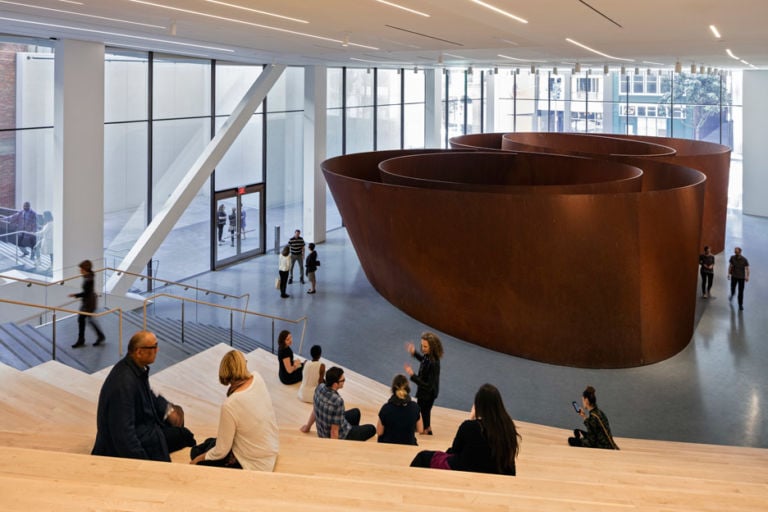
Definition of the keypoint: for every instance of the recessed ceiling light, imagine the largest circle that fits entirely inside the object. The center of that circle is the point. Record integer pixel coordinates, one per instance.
(714, 31)
(235, 6)
(596, 51)
(105, 32)
(73, 13)
(243, 22)
(500, 11)
(413, 11)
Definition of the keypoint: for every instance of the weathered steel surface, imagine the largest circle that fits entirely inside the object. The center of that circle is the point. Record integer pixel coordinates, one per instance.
(572, 261)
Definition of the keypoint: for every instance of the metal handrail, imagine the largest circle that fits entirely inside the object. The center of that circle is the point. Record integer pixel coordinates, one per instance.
(54, 309)
(231, 310)
(166, 282)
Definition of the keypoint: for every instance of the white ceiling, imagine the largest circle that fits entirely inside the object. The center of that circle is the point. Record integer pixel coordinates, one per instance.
(652, 33)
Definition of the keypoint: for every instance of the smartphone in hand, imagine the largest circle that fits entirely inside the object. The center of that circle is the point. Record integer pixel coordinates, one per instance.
(576, 406)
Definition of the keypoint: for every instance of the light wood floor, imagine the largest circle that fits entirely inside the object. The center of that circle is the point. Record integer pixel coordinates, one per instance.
(47, 427)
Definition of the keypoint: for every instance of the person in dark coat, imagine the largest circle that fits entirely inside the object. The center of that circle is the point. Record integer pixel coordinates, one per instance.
(25, 222)
(88, 304)
(131, 420)
(428, 377)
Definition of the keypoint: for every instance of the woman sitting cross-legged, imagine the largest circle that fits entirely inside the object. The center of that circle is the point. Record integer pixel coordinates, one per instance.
(248, 437)
(486, 443)
(400, 417)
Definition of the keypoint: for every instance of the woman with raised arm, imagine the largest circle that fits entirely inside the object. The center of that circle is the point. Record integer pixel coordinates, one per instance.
(428, 377)
(598, 433)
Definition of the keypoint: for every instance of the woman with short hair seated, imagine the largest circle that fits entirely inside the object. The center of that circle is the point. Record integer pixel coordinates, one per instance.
(248, 437)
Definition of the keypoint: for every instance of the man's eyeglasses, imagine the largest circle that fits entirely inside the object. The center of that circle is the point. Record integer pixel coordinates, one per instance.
(342, 380)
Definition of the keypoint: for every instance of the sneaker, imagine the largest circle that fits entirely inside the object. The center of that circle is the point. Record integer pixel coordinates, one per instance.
(78, 344)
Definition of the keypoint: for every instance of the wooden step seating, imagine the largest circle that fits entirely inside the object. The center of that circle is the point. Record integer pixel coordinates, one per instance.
(325, 474)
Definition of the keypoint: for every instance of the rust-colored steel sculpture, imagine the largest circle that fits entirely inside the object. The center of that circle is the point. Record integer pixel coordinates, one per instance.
(567, 260)
(713, 160)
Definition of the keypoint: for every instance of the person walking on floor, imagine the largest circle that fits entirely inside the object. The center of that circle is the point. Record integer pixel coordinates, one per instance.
(296, 243)
(312, 264)
(707, 268)
(88, 300)
(232, 226)
(738, 273)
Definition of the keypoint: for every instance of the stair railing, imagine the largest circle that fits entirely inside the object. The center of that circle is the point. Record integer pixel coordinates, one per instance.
(70, 312)
(232, 310)
(165, 282)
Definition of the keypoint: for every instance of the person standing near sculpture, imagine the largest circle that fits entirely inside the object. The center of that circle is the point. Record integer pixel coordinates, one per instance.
(428, 377)
(738, 273)
(312, 264)
(707, 269)
(88, 300)
(296, 243)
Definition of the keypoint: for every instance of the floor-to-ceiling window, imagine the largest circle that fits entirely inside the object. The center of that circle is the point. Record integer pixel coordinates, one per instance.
(26, 145)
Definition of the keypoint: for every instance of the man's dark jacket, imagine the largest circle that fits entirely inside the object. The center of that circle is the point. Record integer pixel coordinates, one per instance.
(129, 419)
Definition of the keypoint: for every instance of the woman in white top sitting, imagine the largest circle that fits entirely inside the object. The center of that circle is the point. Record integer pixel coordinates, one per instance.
(248, 434)
(314, 374)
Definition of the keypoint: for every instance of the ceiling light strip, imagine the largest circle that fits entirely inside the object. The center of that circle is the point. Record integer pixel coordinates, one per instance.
(715, 32)
(242, 22)
(396, 6)
(500, 11)
(118, 34)
(730, 54)
(580, 45)
(249, 9)
(73, 13)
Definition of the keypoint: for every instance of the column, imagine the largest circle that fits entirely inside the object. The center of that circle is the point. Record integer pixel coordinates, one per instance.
(78, 208)
(755, 112)
(315, 121)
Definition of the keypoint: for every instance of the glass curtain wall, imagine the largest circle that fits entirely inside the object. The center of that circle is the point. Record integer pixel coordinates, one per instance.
(359, 112)
(26, 147)
(125, 151)
(388, 109)
(285, 163)
(413, 109)
(181, 129)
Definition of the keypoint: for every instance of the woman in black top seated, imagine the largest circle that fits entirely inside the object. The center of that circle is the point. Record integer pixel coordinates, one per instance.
(399, 418)
(290, 370)
(486, 443)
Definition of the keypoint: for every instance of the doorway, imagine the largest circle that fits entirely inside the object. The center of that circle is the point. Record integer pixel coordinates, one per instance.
(239, 219)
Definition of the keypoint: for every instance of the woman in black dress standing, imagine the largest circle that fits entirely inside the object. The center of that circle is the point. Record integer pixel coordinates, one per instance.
(428, 377)
(88, 305)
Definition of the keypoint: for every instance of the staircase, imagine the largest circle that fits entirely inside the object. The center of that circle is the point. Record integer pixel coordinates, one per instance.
(26, 346)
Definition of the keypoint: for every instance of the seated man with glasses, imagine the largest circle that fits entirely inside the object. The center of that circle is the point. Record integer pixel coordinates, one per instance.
(331, 420)
(131, 420)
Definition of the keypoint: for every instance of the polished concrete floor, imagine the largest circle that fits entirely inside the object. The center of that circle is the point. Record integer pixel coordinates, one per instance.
(714, 391)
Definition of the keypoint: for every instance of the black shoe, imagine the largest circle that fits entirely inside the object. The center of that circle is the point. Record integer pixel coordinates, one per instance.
(78, 344)
(290, 280)
(302, 281)
(312, 291)
(285, 296)
(741, 308)
(99, 341)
